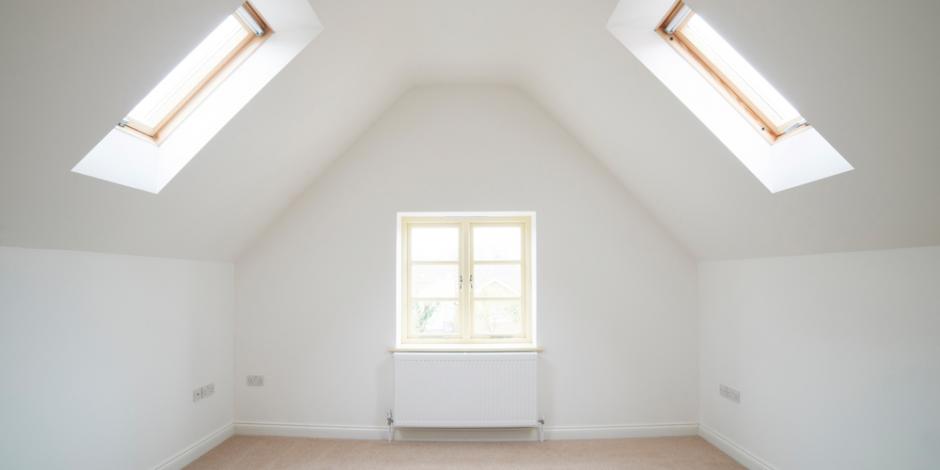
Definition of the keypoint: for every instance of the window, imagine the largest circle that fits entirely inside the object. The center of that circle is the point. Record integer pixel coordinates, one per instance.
(216, 56)
(466, 279)
(143, 154)
(728, 71)
(787, 153)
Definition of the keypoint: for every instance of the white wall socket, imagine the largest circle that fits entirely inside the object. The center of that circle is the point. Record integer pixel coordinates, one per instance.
(730, 393)
(203, 392)
(255, 381)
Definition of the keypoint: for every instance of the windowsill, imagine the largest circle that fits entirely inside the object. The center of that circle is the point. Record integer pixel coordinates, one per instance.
(465, 348)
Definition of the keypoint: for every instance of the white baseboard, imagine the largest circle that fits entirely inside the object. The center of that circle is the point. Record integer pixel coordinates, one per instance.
(467, 435)
(330, 431)
(200, 447)
(749, 460)
(621, 431)
(425, 434)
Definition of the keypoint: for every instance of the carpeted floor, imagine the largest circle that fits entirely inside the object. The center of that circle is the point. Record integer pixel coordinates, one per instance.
(255, 453)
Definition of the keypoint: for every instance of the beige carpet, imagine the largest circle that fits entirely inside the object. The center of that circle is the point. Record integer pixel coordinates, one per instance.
(250, 452)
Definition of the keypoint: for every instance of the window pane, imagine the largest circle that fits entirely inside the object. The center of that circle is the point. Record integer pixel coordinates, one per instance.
(434, 280)
(497, 280)
(433, 318)
(187, 76)
(743, 76)
(495, 243)
(435, 243)
(497, 318)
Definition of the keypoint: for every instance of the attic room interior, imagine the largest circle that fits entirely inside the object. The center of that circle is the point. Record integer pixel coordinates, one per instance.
(469, 234)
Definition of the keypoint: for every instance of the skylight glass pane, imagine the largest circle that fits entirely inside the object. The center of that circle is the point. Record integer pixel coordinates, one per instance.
(748, 81)
(186, 78)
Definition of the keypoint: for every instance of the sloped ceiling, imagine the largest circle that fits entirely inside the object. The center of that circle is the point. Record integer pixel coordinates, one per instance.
(861, 71)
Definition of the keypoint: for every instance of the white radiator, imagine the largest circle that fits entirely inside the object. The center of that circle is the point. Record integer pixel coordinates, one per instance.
(465, 390)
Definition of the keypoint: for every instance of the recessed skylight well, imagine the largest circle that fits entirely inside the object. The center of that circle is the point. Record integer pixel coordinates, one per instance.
(730, 73)
(217, 55)
(198, 97)
(726, 93)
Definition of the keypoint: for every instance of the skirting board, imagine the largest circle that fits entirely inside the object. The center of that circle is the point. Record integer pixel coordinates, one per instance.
(621, 431)
(551, 432)
(200, 447)
(330, 431)
(749, 460)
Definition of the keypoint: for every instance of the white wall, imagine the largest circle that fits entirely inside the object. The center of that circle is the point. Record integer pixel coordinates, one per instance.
(616, 296)
(837, 357)
(99, 355)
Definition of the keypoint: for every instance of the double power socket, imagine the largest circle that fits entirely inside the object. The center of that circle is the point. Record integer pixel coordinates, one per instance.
(729, 393)
(205, 391)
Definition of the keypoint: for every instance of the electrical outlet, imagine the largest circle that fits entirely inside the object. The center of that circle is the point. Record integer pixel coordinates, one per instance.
(203, 392)
(256, 381)
(730, 393)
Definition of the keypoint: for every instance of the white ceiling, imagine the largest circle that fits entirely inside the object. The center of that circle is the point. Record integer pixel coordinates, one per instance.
(861, 72)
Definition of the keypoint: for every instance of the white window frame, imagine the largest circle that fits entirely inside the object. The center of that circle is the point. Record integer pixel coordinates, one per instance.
(465, 221)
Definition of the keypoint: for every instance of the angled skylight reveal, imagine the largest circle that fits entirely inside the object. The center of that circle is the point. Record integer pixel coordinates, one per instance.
(192, 103)
(739, 105)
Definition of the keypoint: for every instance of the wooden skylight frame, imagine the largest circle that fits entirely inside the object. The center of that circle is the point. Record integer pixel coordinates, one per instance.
(256, 31)
(673, 30)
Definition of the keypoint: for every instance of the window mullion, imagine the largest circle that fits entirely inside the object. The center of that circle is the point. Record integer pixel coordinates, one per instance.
(465, 272)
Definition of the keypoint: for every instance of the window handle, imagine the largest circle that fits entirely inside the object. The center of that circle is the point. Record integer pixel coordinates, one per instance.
(460, 283)
(471, 281)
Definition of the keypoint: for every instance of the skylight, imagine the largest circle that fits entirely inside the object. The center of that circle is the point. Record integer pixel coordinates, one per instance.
(728, 71)
(192, 103)
(718, 86)
(199, 71)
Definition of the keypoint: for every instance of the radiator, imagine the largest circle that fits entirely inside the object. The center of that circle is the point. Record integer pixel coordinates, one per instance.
(465, 390)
